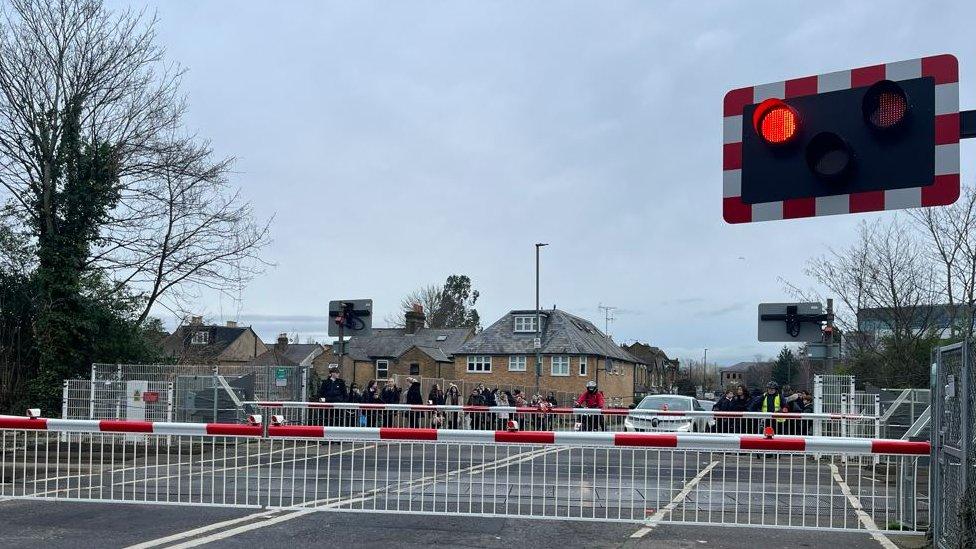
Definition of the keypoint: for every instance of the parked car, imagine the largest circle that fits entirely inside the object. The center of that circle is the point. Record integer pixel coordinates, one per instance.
(655, 413)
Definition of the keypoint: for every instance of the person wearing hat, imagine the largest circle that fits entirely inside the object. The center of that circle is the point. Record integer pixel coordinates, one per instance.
(772, 402)
(333, 389)
(591, 398)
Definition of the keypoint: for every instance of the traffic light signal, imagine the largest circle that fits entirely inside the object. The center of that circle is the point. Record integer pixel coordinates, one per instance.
(875, 138)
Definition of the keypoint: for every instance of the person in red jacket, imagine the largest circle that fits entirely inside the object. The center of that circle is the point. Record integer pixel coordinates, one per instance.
(591, 398)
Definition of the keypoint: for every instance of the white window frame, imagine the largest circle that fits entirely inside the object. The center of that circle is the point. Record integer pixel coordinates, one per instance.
(386, 368)
(200, 337)
(479, 364)
(552, 366)
(583, 366)
(517, 363)
(527, 322)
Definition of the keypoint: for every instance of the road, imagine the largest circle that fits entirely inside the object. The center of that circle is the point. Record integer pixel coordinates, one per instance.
(623, 491)
(29, 524)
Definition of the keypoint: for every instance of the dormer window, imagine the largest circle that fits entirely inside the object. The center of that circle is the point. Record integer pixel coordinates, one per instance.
(200, 338)
(525, 324)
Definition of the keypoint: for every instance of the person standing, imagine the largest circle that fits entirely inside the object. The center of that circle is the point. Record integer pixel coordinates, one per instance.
(333, 390)
(741, 404)
(453, 398)
(390, 395)
(725, 404)
(476, 417)
(414, 398)
(371, 396)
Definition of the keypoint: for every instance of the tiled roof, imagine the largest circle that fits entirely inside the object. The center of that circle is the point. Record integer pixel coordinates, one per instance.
(562, 333)
(393, 342)
(292, 354)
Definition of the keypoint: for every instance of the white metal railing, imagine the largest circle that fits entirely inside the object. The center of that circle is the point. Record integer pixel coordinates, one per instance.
(632, 477)
(565, 419)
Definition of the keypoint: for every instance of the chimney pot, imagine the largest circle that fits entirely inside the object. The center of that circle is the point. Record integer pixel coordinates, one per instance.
(282, 340)
(196, 320)
(231, 324)
(414, 319)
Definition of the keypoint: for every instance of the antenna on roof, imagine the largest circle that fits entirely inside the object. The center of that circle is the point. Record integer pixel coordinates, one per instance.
(607, 318)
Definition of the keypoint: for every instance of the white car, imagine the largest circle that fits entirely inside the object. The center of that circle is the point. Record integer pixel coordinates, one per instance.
(661, 413)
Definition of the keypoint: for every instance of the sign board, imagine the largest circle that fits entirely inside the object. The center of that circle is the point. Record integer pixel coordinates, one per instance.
(819, 351)
(778, 330)
(882, 137)
(281, 377)
(357, 315)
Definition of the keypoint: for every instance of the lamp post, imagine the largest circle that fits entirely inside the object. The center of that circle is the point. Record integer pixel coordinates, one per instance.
(538, 322)
(704, 371)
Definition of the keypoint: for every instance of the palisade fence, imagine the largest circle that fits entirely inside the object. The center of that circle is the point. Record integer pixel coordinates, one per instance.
(178, 392)
(954, 447)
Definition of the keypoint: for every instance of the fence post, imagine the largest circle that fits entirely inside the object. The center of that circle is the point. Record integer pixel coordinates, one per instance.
(91, 395)
(64, 400)
(170, 392)
(818, 404)
(304, 394)
(214, 380)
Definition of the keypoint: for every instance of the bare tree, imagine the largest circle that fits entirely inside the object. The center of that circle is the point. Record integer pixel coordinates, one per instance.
(429, 297)
(177, 223)
(886, 278)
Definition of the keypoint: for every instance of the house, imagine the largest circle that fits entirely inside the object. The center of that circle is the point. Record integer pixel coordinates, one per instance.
(411, 350)
(199, 343)
(659, 371)
(751, 375)
(283, 353)
(573, 352)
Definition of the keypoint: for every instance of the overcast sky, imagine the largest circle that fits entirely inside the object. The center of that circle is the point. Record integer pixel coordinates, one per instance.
(400, 142)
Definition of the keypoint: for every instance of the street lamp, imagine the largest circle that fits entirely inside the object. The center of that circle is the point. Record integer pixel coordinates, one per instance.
(704, 370)
(538, 321)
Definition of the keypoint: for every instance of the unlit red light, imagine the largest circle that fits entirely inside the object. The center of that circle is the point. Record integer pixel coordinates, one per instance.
(778, 124)
(890, 110)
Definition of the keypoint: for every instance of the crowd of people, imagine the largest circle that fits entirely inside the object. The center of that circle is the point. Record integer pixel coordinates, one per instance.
(773, 400)
(334, 390)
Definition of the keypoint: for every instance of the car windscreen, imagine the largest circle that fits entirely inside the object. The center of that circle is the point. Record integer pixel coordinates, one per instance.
(665, 403)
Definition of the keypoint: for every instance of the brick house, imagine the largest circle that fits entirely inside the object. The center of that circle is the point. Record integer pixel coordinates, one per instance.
(283, 353)
(411, 350)
(573, 352)
(751, 375)
(199, 343)
(659, 372)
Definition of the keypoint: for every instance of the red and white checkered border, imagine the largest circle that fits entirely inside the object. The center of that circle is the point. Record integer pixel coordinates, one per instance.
(945, 190)
(679, 441)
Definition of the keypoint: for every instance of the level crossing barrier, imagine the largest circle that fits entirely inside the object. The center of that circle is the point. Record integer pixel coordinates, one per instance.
(649, 478)
(564, 419)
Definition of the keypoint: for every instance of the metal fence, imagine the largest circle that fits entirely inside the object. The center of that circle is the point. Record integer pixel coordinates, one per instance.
(630, 477)
(465, 387)
(178, 392)
(954, 447)
(562, 419)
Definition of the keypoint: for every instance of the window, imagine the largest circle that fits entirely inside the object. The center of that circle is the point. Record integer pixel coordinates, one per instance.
(582, 369)
(479, 364)
(382, 369)
(516, 363)
(525, 324)
(442, 338)
(200, 338)
(559, 365)
(414, 369)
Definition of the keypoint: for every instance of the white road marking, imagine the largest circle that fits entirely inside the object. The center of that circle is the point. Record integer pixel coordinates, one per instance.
(865, 519)
(398, 487)
(658, 516)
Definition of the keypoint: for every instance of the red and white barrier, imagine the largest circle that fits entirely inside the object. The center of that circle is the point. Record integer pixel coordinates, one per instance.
(689, 441)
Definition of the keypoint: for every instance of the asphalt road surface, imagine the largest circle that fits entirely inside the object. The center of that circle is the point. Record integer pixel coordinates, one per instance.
(32, 524)
(624, 492)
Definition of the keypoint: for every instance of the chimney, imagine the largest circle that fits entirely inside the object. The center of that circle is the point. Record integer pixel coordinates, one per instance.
(196, 320)
(282, 341)
(414, 319)
(231, 324)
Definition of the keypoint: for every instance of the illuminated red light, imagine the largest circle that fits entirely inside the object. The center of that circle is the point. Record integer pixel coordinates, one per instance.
(775, 121)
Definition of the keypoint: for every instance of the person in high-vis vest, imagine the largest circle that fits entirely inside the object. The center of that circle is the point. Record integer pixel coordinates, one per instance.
(771, 401)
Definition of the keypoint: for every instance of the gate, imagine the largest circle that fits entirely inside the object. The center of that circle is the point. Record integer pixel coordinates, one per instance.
(954, 476)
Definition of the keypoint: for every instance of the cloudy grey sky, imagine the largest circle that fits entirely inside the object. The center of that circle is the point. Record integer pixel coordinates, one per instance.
(400, 142)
